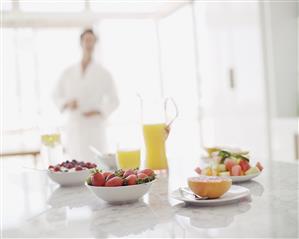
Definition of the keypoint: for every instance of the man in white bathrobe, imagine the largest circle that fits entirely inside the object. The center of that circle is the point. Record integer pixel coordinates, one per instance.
(86, 92)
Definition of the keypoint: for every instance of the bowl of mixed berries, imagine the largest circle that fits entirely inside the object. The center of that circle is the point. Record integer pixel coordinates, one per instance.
(70, 173)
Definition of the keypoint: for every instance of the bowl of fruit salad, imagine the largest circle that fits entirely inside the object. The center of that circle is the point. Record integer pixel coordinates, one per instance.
(120, 186)
(70, 173)
(233, 164)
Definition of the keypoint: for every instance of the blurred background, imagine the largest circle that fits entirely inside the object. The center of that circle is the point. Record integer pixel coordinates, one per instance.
(230, 66)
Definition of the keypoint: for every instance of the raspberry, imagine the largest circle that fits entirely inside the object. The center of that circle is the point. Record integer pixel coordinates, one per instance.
(56, 169)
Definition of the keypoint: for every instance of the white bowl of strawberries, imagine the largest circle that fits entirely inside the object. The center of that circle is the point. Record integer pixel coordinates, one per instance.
(120, 186)
(70, 173)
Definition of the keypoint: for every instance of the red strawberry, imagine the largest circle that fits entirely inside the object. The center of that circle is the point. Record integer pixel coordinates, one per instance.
(147, 171)
(141, 176)
(259, 166)
(128, 172)
(131, 179)
(107, 174)
(114, 182)
(110, 176)
(244, 165)
(97, 179)
(119, 172)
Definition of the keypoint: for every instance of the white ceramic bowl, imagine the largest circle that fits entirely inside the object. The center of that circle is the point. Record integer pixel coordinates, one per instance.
(66, 179)
(122, 194)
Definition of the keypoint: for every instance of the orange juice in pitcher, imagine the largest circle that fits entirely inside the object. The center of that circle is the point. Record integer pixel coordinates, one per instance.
(155, 132)
(154, 138)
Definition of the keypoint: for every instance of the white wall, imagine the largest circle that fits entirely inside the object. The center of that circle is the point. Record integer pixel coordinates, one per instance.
(281, 52)
(281, 45)
(230, 38)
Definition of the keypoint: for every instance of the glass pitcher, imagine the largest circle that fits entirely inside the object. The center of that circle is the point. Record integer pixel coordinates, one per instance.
(156, 126)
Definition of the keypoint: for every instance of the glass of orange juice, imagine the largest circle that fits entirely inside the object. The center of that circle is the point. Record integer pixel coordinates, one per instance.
(128, 158)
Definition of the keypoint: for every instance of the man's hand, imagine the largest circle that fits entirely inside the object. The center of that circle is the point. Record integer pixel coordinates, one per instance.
(91, 113)
(71, 105)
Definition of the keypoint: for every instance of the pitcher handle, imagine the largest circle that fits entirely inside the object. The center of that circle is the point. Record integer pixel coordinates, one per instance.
(170, 100)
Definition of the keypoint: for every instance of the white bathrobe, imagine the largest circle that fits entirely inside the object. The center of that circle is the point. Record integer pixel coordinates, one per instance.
(94, 90)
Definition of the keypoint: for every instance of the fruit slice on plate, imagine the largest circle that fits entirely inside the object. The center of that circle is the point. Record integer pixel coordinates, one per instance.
(210, 187)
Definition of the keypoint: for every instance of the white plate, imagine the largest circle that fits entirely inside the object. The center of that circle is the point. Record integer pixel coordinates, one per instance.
(121, 194)
(238, 179)
(234, 194)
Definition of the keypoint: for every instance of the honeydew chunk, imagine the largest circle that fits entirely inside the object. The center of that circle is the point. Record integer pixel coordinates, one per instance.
(221, 168)
(214, 165)
(252, 170)
(226, 173)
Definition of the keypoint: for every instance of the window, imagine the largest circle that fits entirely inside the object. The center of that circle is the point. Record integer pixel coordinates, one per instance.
(6, 5)
(34, 59)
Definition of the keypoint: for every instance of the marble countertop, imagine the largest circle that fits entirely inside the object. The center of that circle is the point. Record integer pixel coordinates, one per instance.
(33, 206)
